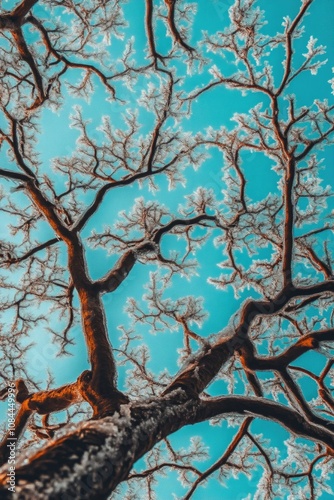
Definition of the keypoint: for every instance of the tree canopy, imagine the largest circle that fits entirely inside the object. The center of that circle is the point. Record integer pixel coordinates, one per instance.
(166, 248)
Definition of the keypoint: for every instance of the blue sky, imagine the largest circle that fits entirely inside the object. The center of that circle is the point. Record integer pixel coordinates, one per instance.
(214, 108)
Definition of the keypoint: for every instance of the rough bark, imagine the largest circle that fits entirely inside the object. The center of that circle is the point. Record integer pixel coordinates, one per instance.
(93, 460)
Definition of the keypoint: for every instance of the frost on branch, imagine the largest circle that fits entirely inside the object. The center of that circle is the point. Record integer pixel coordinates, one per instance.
(189, 154)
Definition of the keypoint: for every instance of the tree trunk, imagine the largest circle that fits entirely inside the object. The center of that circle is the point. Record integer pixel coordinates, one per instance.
(93, 460)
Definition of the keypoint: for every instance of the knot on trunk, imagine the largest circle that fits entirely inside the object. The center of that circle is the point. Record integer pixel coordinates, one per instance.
(22, 392)
(104, 403)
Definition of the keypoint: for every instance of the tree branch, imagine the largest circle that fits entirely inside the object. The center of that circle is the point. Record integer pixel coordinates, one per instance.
(38, 248)
(23, 8)
(43, 402)
(306, 343)
(223, 459)
(172, 26)
(200, 370)
(288, 46)
(288, 418)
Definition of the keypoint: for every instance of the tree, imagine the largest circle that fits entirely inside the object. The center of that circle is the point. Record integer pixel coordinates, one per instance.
(274, 240)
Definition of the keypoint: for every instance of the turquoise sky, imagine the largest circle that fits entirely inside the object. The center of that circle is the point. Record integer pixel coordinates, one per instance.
(214, 108)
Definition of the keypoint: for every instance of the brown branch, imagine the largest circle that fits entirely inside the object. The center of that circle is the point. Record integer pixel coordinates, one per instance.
(172, 26)
(312, 144)
(38, 248)
(222, 461)
(49, 211)
(319, 264)
(181, 222)
(294, 119)
(171, 465)
(288, 47)
(102, 385)
(189, 333)
(124, 265)
(150, 32)
(26, 56)
(230, 82)
(289, 178)
(302, 405)
(308, 474)
(303, 303)
(88, 67)
(324, 393)
(42, 402)
(15, 176)
(15, 145)
(102, 362)
(15, 18)
(288, 223)
(306, 343)
(13, 22)
(320, 230)
(104, 190)
(199, 372)
(262, 451)
(103, 379)
(118, 273)
(23, 8)
(156, 132)
(31, 184)
(54, 400)
(292, 420)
